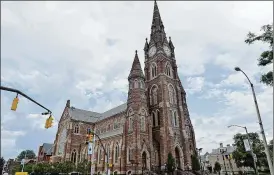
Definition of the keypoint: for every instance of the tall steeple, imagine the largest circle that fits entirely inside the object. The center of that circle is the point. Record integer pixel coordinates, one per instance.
(136, 69)
(157, 27)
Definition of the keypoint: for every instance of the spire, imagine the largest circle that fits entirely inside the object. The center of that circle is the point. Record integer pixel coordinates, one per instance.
(156, 20)
(171, 44)
(136, 69)
(157, 27)
(146, 46)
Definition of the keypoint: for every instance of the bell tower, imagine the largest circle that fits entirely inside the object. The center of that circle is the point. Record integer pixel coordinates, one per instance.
(166, 98)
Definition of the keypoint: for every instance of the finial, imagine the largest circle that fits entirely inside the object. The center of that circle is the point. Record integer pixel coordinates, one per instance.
(146, 39)
(136, 52)
(169, 38)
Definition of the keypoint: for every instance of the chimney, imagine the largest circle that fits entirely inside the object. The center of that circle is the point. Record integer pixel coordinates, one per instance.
(68, 104)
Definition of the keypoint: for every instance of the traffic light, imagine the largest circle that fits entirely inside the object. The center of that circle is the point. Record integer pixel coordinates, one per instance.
(90, 138)
(49, 122)
(230, 156)
(15, 103)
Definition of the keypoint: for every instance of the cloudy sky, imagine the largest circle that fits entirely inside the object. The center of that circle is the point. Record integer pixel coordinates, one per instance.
(83, 51)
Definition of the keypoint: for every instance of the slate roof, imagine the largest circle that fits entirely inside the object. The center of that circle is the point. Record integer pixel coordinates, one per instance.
(47, 147)
(89, 116)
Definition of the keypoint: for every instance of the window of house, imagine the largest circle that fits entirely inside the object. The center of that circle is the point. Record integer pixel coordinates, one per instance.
(76, 129)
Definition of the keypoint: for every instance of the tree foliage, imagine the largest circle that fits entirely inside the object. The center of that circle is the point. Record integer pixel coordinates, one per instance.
(170, 163)
(42, 168)
(266, 57)
(243, 158)
(195, 163)
(2, 162)
(217, 167)
(29, 154)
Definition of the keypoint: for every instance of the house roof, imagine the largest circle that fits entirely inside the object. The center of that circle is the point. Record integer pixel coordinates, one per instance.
(47, 148)
(89, 116)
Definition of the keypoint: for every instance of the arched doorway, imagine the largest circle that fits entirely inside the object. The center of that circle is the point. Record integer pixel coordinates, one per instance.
(177, 158)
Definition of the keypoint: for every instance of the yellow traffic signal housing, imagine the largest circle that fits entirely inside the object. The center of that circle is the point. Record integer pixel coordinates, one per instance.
(90, 138)
(50, 121)
(14, 103)
(47, 124)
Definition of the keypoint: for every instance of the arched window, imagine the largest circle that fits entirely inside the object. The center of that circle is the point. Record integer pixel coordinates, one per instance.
(99, 155)
(135, 84)
(76, 129)
(171, 94)
(153, 70)
(175, 119)
(73, 156)
(130, 124)
(88, 130)
(158, 118)
(168, 70)
(153, 119)
(129, 157)
(154, 95)
(131, 85)
(143, 126)
(116, 153)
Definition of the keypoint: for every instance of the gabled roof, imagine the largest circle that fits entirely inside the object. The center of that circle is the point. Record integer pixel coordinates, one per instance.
(47, 148)
(89, 116)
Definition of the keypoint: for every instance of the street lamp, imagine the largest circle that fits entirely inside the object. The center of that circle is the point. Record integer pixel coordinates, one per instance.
(249, 142)
(223, 151)
(260, 123)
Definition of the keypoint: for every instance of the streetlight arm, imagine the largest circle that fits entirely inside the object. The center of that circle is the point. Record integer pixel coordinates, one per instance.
(247, 78)
(24, 95)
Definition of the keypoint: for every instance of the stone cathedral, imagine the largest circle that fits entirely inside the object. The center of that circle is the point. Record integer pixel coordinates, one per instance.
(139, 134)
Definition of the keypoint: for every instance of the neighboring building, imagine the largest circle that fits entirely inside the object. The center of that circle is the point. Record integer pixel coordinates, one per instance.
(45, 152)
(139, 134)
(227, 164)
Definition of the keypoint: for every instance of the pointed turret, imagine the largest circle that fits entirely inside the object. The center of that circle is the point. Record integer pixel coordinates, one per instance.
(136, 70)
(146, 46)
(171, 44)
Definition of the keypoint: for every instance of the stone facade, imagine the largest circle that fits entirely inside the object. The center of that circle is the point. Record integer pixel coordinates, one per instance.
(139, 134)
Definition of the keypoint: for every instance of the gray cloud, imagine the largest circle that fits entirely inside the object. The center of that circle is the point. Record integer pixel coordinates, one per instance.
(63, 52)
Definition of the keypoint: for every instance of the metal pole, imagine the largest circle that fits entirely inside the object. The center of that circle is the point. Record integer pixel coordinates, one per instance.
(260, 123)
(103, 149)
(251, 150)
(92, 157)
(24, 95)
(262, 131)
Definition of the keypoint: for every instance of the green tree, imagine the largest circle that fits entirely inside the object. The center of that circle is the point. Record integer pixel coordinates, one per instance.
(170, 163)
(243, 158)
(217, 167)
(195, 163)
(266, 57)
(2, 162)
(271, 148)
(83, 167)
(29, 154)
